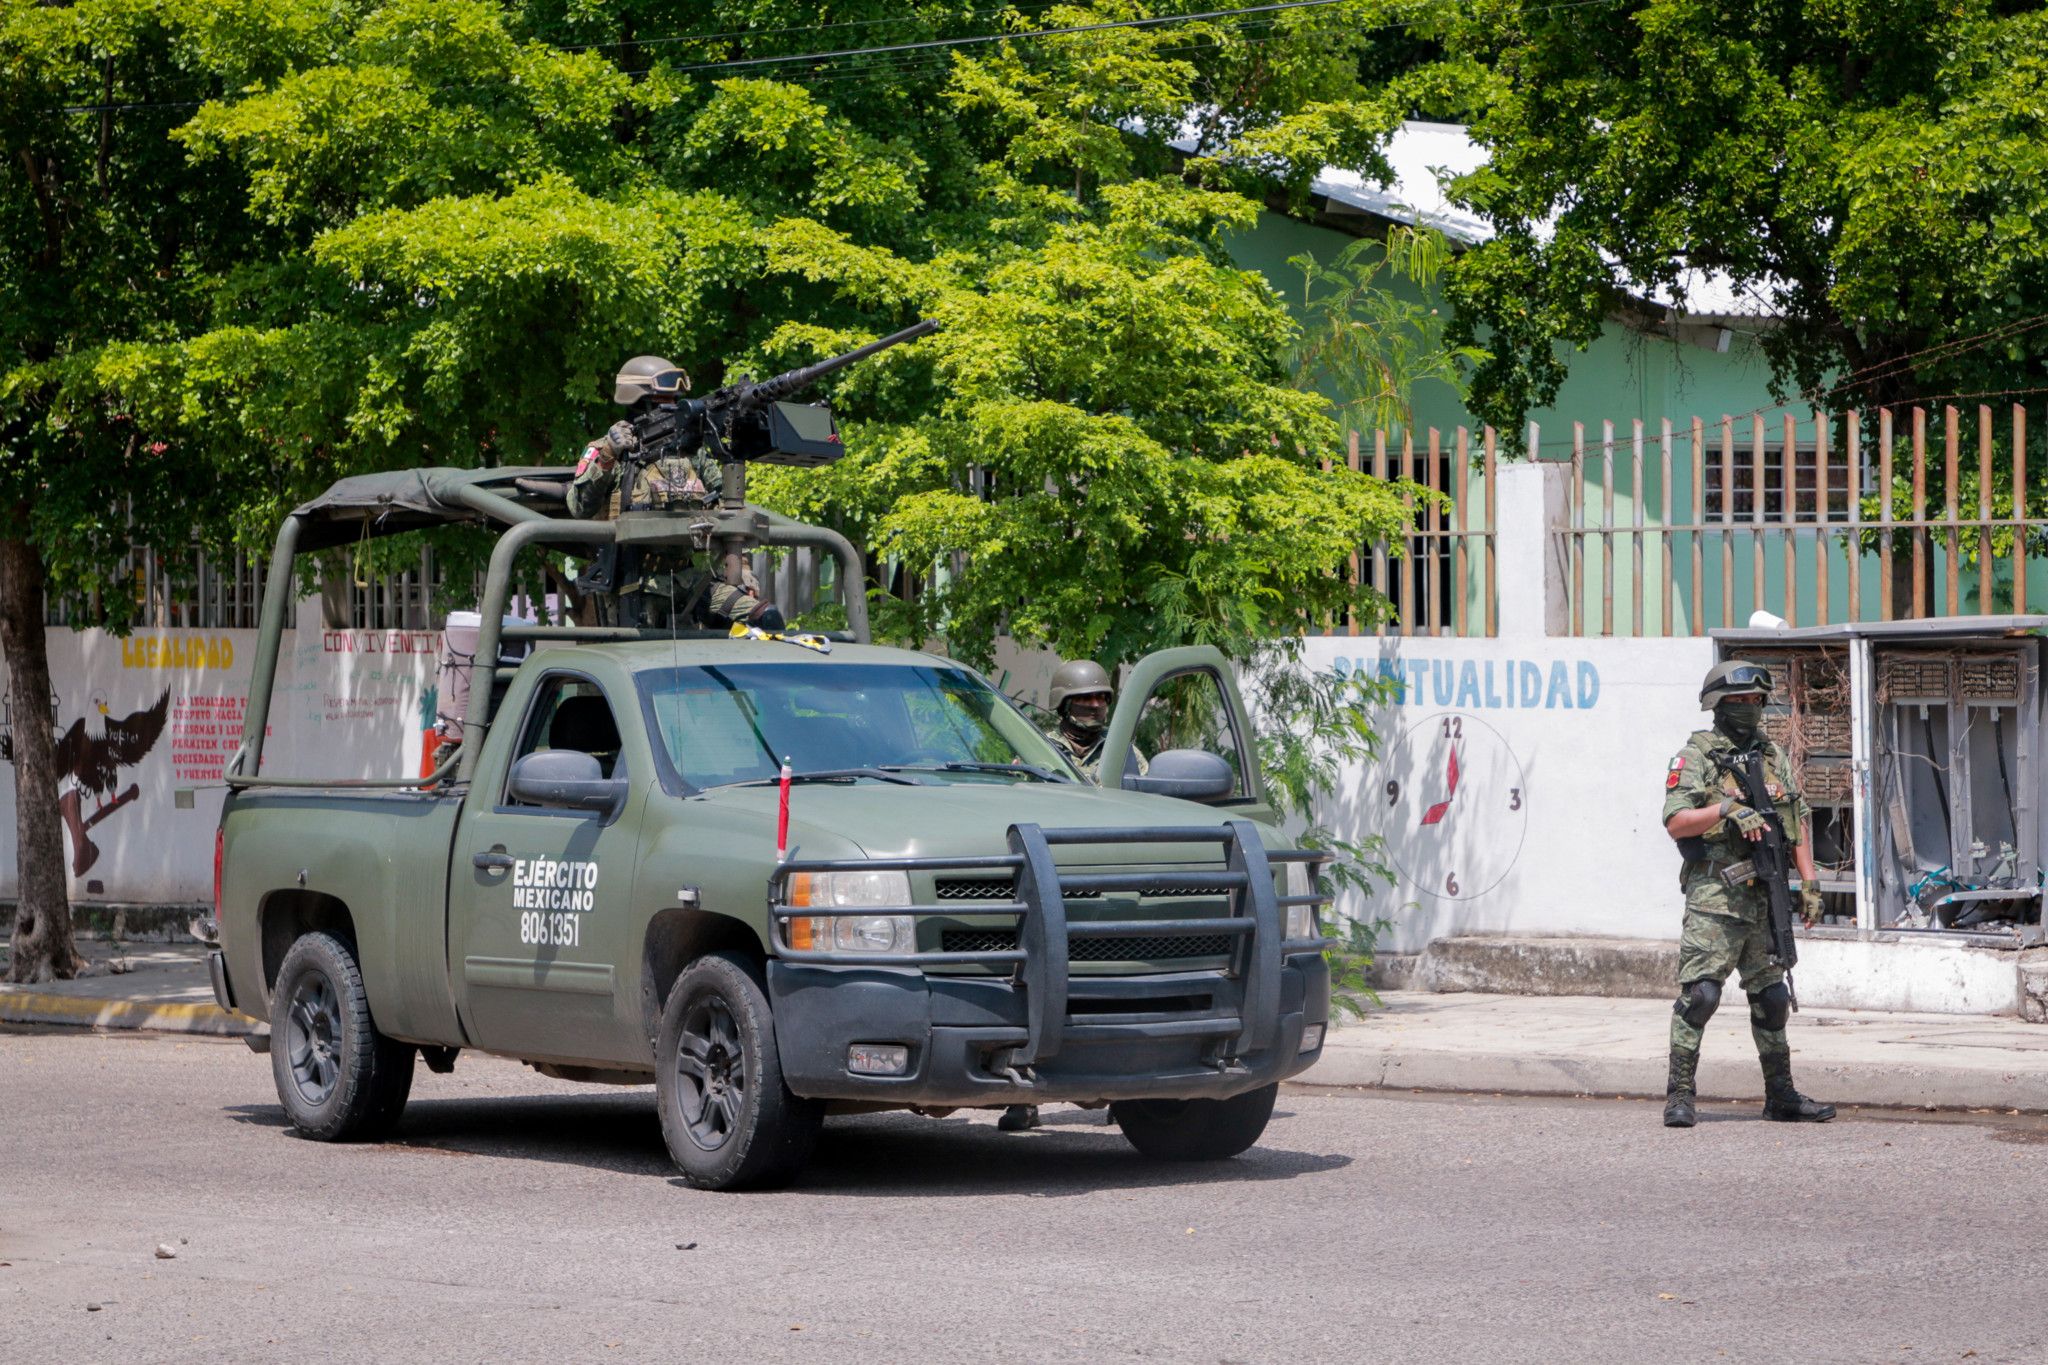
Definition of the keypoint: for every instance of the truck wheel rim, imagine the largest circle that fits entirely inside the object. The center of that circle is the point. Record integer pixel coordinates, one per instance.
(313, 1037)
(711, 1073)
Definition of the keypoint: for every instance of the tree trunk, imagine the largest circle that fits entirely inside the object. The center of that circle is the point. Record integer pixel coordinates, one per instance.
(42, 948)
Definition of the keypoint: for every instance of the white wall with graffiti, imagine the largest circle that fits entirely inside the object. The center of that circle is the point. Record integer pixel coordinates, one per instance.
(1519, 783)
(146, 723)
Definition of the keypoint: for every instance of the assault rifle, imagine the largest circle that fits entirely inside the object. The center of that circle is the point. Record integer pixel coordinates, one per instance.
(1772, 860)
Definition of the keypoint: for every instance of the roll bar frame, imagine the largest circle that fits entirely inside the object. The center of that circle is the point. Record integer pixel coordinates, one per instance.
(524, 527)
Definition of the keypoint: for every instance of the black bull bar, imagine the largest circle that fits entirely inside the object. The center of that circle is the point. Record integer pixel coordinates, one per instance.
(1039, 965)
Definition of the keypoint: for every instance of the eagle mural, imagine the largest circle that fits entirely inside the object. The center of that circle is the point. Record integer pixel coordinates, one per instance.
(94, 762)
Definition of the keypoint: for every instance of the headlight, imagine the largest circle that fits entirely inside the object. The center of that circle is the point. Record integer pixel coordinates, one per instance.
(1300, 919)
(850, 933)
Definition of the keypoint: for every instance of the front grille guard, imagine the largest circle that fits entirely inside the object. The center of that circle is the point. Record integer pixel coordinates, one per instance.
(1039, 964)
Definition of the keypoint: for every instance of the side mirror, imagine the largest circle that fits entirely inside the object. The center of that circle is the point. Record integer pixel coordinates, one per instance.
(1190, 774)
(564, 777)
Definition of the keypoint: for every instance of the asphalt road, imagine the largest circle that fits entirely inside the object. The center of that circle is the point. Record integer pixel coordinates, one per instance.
(519, 1218)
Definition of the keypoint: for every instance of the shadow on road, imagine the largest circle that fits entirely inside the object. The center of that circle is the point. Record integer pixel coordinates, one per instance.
(612, 1132)
(869, 1155)
(890, 1155)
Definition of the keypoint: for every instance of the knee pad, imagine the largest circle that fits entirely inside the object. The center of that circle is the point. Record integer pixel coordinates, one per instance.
(1771, 1006)
(767, 616)
(1697, 1002)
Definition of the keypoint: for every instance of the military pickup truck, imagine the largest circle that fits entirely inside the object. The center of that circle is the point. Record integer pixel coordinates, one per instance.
(594, 883)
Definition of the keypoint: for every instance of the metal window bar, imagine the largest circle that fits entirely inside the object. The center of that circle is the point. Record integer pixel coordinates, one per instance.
(1429, 574)
(1803, 479)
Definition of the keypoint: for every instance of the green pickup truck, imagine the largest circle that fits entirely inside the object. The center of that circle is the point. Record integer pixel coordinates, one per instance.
(593, 884)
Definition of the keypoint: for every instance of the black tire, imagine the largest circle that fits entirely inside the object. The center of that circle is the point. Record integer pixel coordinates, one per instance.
(1195, 1130)
(339, 1079)
(729, 1120)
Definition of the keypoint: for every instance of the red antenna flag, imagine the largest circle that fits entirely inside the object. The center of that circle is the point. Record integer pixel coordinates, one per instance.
(782, 816)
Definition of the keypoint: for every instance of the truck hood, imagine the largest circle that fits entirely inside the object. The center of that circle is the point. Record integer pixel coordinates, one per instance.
(960, 819)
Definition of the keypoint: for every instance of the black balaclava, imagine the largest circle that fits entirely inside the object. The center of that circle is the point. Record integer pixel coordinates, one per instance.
(1740, 721)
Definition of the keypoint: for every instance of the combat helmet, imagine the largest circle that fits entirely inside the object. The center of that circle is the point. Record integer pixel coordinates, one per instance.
(1077, 678)
(648, 376)
(1730, 678)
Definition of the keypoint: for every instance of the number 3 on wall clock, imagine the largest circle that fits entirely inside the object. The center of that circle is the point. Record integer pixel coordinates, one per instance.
(1455, 805)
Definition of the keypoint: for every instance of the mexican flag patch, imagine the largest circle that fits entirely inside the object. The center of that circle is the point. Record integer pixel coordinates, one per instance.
(1671, 777)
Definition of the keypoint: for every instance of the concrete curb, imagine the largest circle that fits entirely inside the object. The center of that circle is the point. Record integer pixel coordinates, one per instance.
(1890, 1087)
(31, 1007)
(1509, 964)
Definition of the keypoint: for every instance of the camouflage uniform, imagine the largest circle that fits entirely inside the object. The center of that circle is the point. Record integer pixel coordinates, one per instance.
(1727, 928)
(1088, 757)
(666, 583)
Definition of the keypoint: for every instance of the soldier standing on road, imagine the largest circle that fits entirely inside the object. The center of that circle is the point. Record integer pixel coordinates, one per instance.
(666, 588)
(1727, 924)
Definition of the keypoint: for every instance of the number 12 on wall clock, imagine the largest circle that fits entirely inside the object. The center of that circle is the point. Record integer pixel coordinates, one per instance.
(1453, 805)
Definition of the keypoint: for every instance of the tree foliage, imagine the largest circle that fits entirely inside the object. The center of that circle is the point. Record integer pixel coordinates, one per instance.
(434, 226)
(1874, 171)
(251, 246)
(1366, 343)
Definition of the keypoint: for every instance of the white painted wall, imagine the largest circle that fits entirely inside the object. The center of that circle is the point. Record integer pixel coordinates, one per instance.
(1920, 974)
(348, 704)
(1553, 827)
(1563, 745)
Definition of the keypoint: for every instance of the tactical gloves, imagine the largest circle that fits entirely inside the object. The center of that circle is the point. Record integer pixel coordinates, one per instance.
(1748, 821)
(1809, 904)
(620, 440)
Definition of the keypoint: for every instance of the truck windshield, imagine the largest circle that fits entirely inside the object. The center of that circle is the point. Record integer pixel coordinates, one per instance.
(737, 722)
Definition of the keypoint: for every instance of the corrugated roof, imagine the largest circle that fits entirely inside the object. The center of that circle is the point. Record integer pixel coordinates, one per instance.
(1424, 156)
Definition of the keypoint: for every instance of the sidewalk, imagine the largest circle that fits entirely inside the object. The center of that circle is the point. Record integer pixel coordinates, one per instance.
(1524, 1044)
(1578, 1045)
(165, 987)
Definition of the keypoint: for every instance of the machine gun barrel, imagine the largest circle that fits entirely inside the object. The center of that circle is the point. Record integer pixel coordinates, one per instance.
(749, 396)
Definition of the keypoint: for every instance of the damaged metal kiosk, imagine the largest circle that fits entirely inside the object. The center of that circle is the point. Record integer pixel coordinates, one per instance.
(1918, 745)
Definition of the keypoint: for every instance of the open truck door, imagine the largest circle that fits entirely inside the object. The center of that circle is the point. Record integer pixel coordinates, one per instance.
(1179, 728)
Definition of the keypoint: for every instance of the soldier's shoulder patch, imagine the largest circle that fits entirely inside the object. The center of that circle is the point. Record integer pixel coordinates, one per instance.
(1671, 778)
(589, 455)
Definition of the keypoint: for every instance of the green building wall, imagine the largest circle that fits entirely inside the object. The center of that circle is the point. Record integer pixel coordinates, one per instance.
(1628, 376)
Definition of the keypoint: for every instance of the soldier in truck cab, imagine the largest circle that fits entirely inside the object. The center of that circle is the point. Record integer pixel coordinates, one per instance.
(1080, 696)
(666, 589)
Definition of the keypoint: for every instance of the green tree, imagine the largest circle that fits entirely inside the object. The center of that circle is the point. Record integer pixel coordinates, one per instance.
(284, 241)
(110, 241)
(1873, 171)
(1366, 341)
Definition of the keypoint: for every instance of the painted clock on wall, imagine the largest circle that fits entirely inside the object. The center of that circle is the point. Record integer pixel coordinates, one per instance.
(1453, 805)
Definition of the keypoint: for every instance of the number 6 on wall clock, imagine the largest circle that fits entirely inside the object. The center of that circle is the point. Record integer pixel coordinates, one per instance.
(1456, 806)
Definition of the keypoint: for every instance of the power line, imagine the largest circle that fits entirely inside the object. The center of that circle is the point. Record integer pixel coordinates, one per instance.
(1255, 31)
(1947, 350)
(983, 38)
(934, 46)
(660, 39)
(888, 49)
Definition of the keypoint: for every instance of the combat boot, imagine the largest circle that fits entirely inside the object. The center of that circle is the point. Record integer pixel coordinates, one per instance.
(1782, 1102)
(1789, 1106)
(1678, 1090)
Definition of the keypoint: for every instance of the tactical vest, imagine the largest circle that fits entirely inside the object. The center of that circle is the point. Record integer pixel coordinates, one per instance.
(1726, 850)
